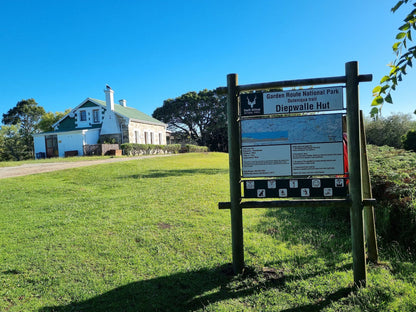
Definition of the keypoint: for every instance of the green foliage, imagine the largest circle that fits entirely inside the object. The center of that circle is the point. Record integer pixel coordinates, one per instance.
(49, 118)
(393, 178)
(133, 149)
(26, 115)
(12, 146)
(196, 148)
(389, 130)
(200, 117)
(404, 58)
(409, 141)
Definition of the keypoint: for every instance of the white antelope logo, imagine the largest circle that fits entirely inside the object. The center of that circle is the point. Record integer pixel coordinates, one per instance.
(251, 103)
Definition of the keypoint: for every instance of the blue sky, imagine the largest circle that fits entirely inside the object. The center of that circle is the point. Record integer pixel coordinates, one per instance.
(61, 52)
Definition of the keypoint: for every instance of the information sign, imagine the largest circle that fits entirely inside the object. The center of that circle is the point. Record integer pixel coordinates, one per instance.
(292, 101)
(286, 146)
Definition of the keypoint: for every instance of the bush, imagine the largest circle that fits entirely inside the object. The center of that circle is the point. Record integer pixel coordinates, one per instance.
(409, 141)
(133, 149)
(195, 148)
(393, 178)
(389, 131)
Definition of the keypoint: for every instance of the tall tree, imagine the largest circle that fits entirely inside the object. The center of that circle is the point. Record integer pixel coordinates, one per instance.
(49, 118)
(11, 144)
(201, 116)
(404, 56)
(26, 114)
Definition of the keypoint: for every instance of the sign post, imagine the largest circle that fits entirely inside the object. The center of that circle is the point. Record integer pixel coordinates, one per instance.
(234, 161)
(287, 151)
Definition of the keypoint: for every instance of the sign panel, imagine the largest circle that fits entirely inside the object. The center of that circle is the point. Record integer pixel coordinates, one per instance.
(317, 159)
(292, 146)
(292, 101)
(292, 130)
(327, 187)
(266, 161)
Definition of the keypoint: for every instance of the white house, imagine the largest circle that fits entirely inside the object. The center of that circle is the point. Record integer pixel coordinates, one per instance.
(95, 121)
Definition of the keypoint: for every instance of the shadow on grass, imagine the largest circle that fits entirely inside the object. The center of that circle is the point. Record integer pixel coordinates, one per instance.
(338, 295)
(175, 173)
(189, 291)
(327, 230)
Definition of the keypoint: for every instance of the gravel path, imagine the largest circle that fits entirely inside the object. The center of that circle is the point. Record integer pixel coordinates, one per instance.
(26, 169)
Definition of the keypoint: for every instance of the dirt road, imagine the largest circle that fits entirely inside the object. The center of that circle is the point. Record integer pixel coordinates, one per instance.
(26, 169)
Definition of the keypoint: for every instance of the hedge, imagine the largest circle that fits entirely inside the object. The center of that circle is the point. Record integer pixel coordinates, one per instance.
(133, 149)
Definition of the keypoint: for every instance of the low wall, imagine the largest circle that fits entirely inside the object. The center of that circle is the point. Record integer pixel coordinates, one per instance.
(99, 149)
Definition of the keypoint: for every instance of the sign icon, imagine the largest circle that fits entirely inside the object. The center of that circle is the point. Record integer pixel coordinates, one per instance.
(271, 184)
(282, 192)
(261, 193)
(339, 182)
(328, 191)
(304, 192)
(316, 183)
(250, 185)
(293, 183)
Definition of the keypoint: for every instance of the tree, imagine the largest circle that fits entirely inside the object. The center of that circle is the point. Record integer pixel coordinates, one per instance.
(49, 118)
(404, 57)
(11, 144)
(389, 131)
(200, 116)
(26, 115)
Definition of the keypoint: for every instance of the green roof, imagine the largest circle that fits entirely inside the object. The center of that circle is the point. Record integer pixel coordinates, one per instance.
(130, 112)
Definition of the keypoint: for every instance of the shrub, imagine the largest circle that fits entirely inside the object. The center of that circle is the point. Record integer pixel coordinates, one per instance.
(196, 148)
(393, 178)
(133, 149)
(389, 130)
(409, 141)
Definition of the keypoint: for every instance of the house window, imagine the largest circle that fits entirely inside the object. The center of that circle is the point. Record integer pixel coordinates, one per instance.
(146, 137)
(136, 137)
(96, 116)
(83, 115)
(160, 138)
(152, 140)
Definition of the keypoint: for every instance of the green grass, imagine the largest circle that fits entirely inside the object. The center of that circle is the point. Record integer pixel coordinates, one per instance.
(146, 235)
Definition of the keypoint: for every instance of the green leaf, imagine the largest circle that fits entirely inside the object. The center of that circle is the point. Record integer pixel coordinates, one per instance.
(396, 46)
(405, 27)
(388, 99)
(377, 89)
(409, 35)
(385, 78)
(374, 112)
(400, 35)
(377, 101)
(397, 6)
(384, 88)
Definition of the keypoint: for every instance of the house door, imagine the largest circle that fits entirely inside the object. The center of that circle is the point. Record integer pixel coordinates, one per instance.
(51, 143)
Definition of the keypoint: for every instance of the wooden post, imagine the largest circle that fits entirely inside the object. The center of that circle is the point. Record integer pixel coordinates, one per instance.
(369, 223)
(234, 162)
(354, 160)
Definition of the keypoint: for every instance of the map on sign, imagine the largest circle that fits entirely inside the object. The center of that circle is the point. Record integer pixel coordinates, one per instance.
(291, 130)
(289, 146)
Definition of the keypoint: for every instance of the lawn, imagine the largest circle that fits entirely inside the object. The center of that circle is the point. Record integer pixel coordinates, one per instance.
(146, 235)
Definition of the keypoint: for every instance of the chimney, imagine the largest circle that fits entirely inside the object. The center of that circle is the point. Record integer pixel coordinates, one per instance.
(123, 103)
(109, 98)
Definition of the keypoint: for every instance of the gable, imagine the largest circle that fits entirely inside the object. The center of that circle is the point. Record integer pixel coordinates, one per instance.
(67, 123)
(87, 104)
